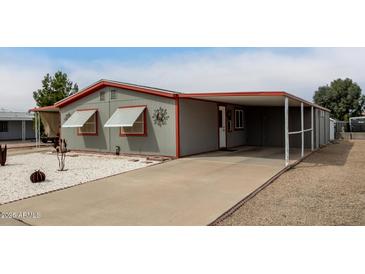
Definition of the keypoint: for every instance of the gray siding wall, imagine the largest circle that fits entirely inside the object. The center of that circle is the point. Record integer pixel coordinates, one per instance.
(235, 137)
(159, 140)
(198, 126)
(265, 126)
(15, 131)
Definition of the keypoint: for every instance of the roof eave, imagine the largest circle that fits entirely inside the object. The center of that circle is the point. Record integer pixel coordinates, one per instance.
(47, 108)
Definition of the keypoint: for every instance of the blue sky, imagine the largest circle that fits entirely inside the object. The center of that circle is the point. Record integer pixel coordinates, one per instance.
(296, 70)
(137, 55)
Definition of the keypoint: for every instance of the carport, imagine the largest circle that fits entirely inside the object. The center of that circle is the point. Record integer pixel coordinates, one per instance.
(50, 118)
(269, 120)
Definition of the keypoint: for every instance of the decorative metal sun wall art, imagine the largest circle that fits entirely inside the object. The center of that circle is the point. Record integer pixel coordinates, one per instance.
(160, 116)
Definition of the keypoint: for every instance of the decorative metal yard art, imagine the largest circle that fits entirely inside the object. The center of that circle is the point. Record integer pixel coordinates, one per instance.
(37, 176)
(61, 150)
(3, 152)
(117, 150)
(160, 116)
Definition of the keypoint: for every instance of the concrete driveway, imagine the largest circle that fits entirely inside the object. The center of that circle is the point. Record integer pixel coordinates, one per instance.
(188, 191)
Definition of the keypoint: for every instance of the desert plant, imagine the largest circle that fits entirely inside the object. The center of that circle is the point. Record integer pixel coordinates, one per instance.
(3, 152)
(61, 150)
(37, 176)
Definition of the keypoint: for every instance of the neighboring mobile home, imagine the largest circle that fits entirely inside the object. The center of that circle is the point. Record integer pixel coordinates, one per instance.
(16, 126)
(151, 121)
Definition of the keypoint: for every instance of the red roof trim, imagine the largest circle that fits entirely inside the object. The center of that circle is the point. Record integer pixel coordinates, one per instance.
(36, 109)
(103, 84)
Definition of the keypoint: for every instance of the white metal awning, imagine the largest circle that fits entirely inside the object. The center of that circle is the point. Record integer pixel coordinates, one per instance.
(79, 118)
(124, 117)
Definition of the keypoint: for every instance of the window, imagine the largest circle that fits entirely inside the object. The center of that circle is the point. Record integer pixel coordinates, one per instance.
(4, 126)
(238, 121)
(113, 94)
(138, 128)
(90, 127)
(102, 95)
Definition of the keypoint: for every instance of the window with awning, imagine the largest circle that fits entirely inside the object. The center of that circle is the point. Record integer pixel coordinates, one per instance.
(131, 120)
(90, 127)
(84, 120)
(79, 118)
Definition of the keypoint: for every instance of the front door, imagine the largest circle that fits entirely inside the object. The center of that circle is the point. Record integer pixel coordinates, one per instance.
(222, 126)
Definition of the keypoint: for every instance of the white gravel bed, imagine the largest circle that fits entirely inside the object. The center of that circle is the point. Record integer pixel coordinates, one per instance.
(15, 181)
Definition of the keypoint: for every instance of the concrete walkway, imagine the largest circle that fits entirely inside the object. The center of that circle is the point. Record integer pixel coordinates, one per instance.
(188, 191)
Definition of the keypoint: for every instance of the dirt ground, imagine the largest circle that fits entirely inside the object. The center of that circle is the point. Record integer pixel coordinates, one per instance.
(327, 188)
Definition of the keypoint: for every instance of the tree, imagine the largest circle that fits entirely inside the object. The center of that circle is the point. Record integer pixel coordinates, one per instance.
(342, 97)
(54, 88)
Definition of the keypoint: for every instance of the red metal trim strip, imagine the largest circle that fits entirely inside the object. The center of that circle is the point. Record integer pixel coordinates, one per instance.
(43, 108)
(245, 93)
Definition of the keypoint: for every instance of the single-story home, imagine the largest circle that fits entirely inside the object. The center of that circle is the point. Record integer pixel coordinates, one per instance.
(16, 125)
(143, 120)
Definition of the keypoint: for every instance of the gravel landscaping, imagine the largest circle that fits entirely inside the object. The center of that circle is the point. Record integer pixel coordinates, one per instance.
(327, 188)
(81, 168)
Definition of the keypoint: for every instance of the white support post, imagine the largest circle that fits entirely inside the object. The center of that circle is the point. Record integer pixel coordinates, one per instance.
(286, 115)
(39, 130)
(302, 126)
(36, 129)
(312, 132)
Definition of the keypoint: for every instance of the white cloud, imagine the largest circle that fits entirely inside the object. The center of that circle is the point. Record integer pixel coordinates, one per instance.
(214, 70)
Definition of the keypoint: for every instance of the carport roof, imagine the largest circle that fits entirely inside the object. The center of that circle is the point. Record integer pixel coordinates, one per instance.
(251, 98)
